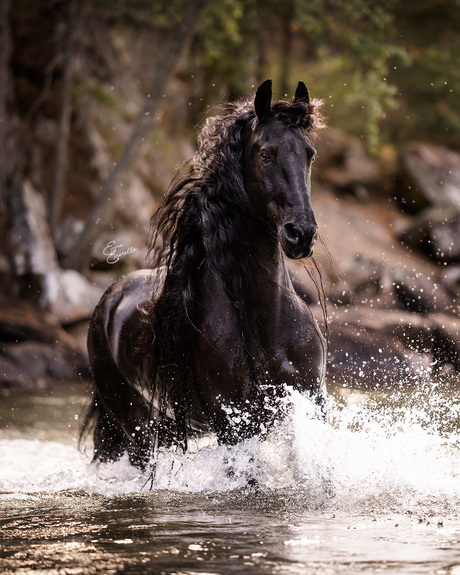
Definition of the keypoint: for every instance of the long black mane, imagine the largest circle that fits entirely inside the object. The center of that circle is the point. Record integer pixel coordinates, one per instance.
(202, 226)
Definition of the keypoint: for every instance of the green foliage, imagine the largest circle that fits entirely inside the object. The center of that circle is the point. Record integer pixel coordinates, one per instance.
(386, 69)
(103, 96)
(224, 46)
(391, 68)
(237, 37)
(363, 34)
(429, 87)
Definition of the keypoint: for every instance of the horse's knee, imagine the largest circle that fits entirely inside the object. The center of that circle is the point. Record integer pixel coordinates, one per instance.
(109, 439)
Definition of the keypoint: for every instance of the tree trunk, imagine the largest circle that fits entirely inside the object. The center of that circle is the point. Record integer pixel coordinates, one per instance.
(103, 210)
(4, 59)
(62, 141)
(286, 48)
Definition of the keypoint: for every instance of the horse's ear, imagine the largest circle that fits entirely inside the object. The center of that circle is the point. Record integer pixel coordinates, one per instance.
(301, 94)
(263, 99)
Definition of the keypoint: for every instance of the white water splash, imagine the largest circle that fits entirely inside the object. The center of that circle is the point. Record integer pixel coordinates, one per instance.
(369, 455)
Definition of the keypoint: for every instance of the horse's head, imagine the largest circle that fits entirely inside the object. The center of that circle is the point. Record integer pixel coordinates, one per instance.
(277, 166)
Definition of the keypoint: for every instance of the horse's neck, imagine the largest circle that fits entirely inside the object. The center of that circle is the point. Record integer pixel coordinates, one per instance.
(270, 284)
(260, 303)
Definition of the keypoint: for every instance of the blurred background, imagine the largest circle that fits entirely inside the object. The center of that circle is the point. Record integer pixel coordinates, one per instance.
(100, 103)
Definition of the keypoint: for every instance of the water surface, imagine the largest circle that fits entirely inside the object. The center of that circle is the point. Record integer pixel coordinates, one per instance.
(374, 490)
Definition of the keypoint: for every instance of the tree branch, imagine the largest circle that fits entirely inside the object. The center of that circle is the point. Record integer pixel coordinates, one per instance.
(4, 58)
(62, 141)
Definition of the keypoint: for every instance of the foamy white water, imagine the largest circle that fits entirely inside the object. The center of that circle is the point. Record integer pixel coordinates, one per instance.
(372, 457)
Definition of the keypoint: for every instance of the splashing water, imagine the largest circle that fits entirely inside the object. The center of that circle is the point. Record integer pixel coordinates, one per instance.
(374, 489)
(383, 452)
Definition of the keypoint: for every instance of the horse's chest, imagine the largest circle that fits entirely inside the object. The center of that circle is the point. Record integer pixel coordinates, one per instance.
(280, 345)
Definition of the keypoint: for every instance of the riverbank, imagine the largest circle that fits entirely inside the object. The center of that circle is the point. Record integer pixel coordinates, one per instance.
(392, 301)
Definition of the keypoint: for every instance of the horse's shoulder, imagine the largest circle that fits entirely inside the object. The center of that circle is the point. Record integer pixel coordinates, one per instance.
(126, 300)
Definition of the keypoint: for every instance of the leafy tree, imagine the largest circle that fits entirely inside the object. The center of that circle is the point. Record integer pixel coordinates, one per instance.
(246, 39)
(429, 87)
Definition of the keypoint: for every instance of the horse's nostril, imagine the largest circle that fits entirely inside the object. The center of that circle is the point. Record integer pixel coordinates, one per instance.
(292, 233)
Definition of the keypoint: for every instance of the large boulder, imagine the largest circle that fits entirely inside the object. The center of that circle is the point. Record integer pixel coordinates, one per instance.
(430, 187)
(430, 177)
(35, 350)
(419, 289)
(451, 281)
(370, 346)
(422, 292)
(65, 293)
(359, 357)
(33, 365)
(68, 295)
(344, 163)
(436, 231)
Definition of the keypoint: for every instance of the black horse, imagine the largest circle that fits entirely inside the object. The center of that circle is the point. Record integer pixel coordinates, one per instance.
(209, 337)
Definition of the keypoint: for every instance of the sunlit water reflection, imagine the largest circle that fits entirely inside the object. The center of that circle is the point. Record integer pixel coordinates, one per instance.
(374, 490)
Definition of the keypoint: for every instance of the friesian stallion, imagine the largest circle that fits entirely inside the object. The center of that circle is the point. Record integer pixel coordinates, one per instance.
(213, 333)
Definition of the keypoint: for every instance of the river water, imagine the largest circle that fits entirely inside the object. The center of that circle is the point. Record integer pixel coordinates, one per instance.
(376, 489)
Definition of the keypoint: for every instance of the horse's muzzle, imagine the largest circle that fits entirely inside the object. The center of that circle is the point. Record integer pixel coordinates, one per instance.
(298, 242)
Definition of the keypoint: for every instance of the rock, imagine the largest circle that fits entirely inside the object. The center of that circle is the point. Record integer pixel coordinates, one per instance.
(360, 357)
(436, 231)
(419, 290)
(446, 347)
(420, 293)
(370, 335)
(35, 349)
(370, 281)
(32, 364)
(70, 297)
(21, 323)
(123, 247)
(136, 205)
(31, 245)
(430, 177)
(65, 293)
(411, 329)
(451, 281)
(344, 163)
(65, 236)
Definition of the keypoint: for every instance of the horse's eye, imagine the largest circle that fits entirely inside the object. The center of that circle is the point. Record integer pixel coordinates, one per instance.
(264, 156)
